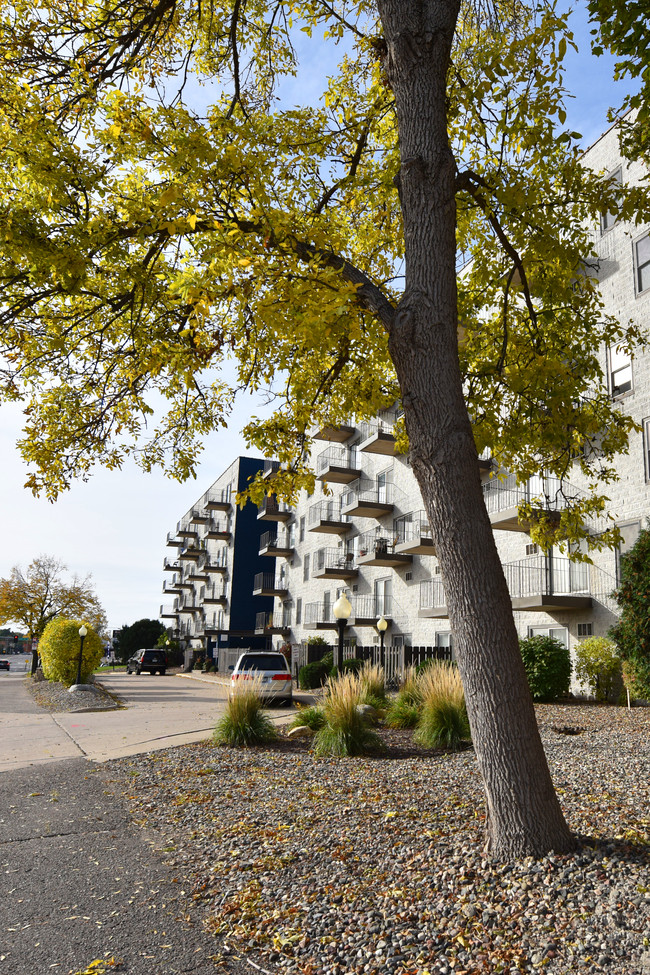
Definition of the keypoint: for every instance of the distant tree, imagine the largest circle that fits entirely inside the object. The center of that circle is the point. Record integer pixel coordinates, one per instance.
(59, 649)
(632, 632)
(33, 598)
(140, 635)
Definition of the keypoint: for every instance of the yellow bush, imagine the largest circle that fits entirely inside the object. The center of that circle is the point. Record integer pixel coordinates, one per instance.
(59, 651)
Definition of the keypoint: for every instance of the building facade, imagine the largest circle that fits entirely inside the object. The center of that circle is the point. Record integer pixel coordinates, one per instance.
(212, 569)
(364, 531)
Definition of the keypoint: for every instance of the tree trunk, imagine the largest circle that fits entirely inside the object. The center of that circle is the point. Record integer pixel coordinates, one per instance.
(523, 813)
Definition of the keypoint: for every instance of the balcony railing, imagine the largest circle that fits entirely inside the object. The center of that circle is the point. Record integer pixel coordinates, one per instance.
(218, 500)
(269, 581)
(367, 490)
(213, 621)
(318, 613)
(275, 510)
(411, 527)
(547, 493)
(279, 621)
(334, 559)
(371, 607)
(345, 457)
(327, 511)
(378, 540)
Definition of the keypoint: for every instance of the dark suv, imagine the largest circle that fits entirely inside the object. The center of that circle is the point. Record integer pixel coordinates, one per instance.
(148, 660)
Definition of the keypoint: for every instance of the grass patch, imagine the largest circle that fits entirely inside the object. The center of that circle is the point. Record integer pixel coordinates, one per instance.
(244, 723)
(443, 719)
(346, 731)
(312, 717)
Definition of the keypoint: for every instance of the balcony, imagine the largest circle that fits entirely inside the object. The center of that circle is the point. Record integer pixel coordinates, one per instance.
(273, 510)
(268, 584)
(199, 516)
(214, 594)
(326, 517)
(368, 499)
(277, 546)
(334, 563)
(173, 540)
(214, 622)
(377, 437)
(184, 529)
(378, 548)
(338, 465)
(318, 616)
(172, 586)
(217, 501)
(273, 623)
(168, 611)
(270, 468)
(218, 564)
(335, 434)
(169, 565)
(197, 573)
(545, 584)
(413, 534)
(191, 551)
(217, 530)
(547, 496)
(366, 610)
(189, 605)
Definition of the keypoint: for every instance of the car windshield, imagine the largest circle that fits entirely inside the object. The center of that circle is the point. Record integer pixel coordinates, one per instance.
(263, 661)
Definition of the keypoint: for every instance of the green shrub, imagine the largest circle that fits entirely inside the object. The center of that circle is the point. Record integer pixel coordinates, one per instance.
(312, 717)
(632, 633)
(312, 675)
(244, 723)
(598, 666)
(346, 731)
(403, 713)
(443, 717)
(352, 666)
(59, 651)
(548, 667)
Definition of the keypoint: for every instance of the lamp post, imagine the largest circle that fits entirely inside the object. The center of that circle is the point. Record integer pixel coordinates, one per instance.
(382, 626)
(82, 634)
(341, 609)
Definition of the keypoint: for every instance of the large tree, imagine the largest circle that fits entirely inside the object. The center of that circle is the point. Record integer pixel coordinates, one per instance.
(146, 243)
(33, 597)
(138, 636)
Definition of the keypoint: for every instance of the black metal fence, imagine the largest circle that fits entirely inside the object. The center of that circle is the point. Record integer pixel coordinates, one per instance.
(395, 659)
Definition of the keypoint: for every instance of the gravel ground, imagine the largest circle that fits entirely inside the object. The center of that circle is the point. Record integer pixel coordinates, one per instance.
(56, 697)
(326, 866)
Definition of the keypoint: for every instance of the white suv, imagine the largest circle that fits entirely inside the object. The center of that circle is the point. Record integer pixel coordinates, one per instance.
(272, 670)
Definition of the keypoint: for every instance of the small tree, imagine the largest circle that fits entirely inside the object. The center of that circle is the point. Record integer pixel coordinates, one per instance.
(59, 650)
(632, 633)
(141, 635)
(598, 667)
(548, 667)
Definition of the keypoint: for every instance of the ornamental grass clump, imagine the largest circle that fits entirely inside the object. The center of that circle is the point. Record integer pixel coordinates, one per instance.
(373, 685)
(443, 721)
(405, 710)
(311, 717)
(346, 730)
(244, 723)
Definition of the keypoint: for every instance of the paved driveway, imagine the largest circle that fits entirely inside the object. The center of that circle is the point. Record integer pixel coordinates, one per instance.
(159, 712)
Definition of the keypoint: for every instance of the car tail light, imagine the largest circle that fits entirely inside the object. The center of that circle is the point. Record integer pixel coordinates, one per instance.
(281, 677)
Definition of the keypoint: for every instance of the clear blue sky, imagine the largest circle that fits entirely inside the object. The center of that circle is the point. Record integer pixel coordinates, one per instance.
(115, 526)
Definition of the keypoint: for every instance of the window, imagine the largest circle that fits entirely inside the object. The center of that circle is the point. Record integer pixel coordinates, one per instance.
(607, 220)
(408, 576)
(305, 568)
(629, 535)
(585, 629)
(298, 611)
(642, 263)
(557, 632)
(301, 534)
(443, 639)
(620, 369)
(532, 549)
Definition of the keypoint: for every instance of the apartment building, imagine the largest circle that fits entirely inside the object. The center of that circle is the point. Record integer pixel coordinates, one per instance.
(213, 565)
(364, 532)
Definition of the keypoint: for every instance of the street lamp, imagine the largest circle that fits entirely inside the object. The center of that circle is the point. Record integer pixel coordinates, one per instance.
(341, 609)
(382, 626)
(82, 634)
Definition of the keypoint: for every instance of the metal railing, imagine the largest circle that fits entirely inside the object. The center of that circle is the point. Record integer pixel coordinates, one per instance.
(214, 592)
(319, 612)
(368, 490)
(271, 506)
(370, 428)
(337, 456)
(371, 607)
(412, 527)
(278, 620)
(212, 527)
(276, 540)
(267, 580)
(378, 541)
(332, 558)
(327, 511)
(217, 497)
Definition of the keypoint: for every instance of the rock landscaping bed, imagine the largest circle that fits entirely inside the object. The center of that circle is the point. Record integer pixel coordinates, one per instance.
(374, 865)
(54, 696)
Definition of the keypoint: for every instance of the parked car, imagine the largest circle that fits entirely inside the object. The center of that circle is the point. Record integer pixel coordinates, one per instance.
(149, 661)
(272, 670)
(5, 665)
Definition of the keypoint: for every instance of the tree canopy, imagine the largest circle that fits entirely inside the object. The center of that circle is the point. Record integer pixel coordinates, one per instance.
(33, 597)
(138, 636)
(148, 242)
